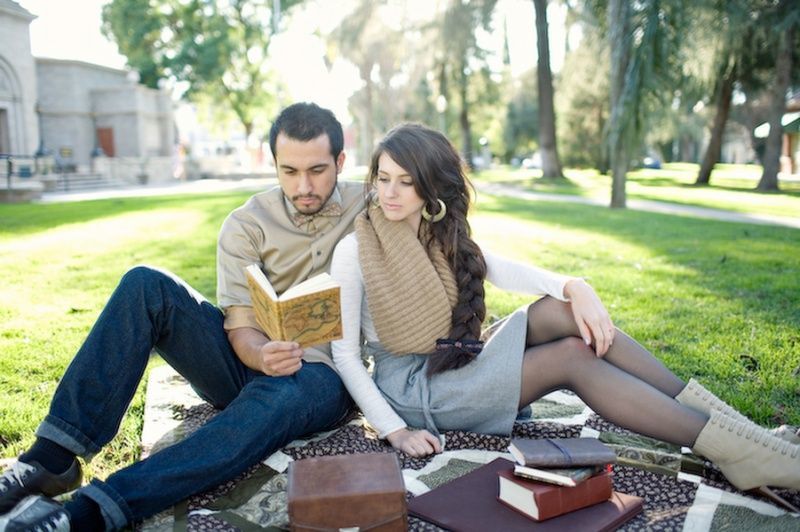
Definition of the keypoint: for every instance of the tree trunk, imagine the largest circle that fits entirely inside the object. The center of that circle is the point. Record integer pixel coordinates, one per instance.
(368, 128)
(714, 150)
(602, 162)
(551, 165)
(618, 30)
(772, 153)
(463, 119)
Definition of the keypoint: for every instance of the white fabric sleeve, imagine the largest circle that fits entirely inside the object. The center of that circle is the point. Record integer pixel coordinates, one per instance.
(346, 270)
(523, 278)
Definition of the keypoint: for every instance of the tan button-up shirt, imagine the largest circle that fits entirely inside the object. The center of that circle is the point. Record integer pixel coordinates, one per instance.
(262, 231)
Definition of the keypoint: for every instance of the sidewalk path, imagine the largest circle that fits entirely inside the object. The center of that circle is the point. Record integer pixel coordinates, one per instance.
(498, 189)
(200, 186)
(204, 186)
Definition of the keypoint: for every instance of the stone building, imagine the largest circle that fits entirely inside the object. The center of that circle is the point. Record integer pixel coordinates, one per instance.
(72, 110)
(84, 107)
(19, 131)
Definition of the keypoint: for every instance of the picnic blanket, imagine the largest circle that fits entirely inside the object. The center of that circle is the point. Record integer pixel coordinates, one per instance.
(681, 491)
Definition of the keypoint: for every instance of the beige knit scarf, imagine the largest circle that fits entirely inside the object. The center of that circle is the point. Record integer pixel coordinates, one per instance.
(411, 291)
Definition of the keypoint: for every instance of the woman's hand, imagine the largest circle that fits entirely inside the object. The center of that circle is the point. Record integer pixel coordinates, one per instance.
(416, 443)
(590, 314)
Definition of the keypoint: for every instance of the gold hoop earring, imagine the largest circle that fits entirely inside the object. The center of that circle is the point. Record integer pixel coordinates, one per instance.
(433, 218)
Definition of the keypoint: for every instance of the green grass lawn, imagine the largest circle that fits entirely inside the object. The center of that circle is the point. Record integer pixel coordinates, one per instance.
(731, 187)
(716, 300)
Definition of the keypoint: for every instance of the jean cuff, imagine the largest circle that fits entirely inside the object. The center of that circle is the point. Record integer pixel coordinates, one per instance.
(116, 513)
(68, 437)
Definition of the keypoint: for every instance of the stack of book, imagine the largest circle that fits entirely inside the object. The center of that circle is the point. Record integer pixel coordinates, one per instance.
(582, 499)
(556, 476)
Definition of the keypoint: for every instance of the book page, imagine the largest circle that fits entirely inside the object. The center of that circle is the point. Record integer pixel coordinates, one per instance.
(317, 283)
(255, 274)
(266, 309)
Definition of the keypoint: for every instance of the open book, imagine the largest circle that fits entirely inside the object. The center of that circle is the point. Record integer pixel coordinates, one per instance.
(308, 313)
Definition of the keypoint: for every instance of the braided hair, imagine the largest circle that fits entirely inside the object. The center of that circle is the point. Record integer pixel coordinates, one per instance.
(438, 173)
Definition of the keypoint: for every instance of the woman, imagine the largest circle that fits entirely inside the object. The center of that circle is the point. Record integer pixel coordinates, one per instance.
(412, 284)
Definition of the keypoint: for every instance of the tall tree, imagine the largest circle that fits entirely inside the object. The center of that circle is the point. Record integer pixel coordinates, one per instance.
(723, 94)
(743, 58)
(386, 44)
(551, 164)
(786, 29)
(356, 39)
(462, 56)
(521, 128)
(218, 48)
(583, 108)
(619, 124)
(644, 40)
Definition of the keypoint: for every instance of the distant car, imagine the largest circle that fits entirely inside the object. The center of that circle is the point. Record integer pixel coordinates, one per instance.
(533, 162)
(478, 162)
(654, 163)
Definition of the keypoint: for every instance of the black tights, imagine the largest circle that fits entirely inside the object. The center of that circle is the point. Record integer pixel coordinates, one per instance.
(628, 386)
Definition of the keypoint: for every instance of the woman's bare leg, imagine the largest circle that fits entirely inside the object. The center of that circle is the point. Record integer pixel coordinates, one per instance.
(615, 394)
(550, 319)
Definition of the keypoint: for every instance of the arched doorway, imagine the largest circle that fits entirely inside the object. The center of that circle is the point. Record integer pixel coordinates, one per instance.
(12, 131)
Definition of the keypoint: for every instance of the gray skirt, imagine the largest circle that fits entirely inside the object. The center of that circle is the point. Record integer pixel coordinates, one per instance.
(482, 396)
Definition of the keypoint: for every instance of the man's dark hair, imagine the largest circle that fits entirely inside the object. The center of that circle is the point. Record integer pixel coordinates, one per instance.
(307, 121)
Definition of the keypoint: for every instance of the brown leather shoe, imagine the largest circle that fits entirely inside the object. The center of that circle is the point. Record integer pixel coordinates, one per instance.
(23, 479)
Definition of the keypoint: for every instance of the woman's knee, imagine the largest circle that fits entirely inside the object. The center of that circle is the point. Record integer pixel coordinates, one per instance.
(550, 318)
(571, 349)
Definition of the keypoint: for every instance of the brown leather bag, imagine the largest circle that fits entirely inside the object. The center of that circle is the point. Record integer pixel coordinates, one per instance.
(353, 492)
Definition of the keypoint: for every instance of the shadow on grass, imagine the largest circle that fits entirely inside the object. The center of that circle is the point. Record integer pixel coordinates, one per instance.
(21, 219)
(749, 261)
(788, 189)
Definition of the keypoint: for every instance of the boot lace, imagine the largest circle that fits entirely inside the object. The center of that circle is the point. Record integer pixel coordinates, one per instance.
(54, 523)
(15, 475)
(757, 434)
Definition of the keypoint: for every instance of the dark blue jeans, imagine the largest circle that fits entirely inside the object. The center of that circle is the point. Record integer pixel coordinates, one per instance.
(153, 309)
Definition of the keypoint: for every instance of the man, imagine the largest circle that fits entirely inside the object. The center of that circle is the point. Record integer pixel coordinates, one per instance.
(269, 392)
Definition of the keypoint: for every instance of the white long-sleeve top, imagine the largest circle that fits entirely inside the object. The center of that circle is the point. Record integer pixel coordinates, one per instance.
(357, 320)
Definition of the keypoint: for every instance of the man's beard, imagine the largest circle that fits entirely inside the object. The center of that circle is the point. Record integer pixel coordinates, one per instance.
(310, 210)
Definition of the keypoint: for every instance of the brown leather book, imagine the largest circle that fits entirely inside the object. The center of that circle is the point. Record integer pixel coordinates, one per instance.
(561, 452)
(541, 501)
(356, 490)
(469, 503)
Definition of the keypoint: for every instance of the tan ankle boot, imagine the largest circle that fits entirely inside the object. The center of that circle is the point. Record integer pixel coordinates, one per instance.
(748, 455)
(696, 397)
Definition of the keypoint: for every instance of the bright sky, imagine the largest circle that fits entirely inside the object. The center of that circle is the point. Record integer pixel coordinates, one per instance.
(71, 30)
